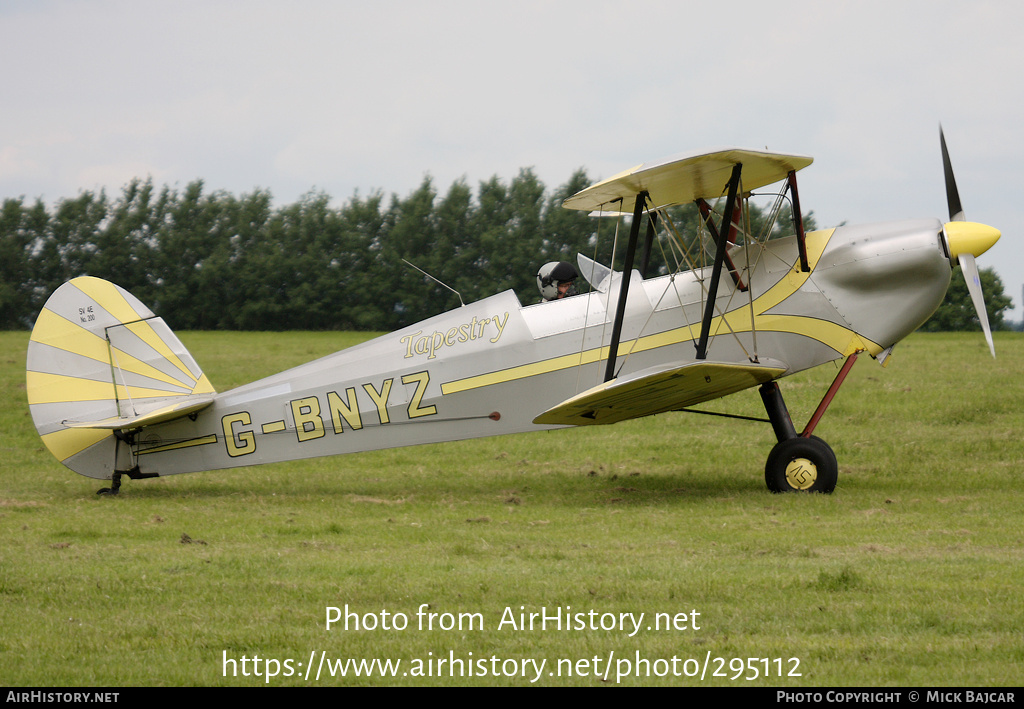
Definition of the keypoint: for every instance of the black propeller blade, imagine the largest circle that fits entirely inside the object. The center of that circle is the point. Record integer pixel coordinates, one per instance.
(956, 210)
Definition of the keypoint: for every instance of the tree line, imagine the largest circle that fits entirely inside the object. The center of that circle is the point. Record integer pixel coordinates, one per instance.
(209, 260)
(212, 260)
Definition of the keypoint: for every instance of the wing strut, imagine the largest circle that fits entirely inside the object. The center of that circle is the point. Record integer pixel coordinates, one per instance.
(652, 225)
(798, 222)
(705, 214)
(716, 272)
(627, 271)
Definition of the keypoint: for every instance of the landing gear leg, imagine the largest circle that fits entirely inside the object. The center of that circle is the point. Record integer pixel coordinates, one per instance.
(134, 474)
(115, 486)
(803, 463)
(128, 439)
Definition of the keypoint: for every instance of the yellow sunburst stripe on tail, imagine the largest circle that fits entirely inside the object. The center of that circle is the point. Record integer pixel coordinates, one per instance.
(124, 361)
(46, 388)
(56, 331)
(69, 441)
(203, 386)
(108, 297)
(145, 332)
(53, 330)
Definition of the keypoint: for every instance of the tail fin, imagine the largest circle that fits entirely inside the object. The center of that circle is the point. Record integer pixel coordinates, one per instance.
(100, 362)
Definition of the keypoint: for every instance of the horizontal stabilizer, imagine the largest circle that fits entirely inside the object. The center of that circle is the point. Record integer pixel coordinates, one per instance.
(180, 408)
(659, 389)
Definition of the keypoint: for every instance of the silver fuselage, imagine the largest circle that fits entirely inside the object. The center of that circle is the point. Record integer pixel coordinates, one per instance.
(491, 367)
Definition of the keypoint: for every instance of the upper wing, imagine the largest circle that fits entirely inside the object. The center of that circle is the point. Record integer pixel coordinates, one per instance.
(668, 387)
(688, 177)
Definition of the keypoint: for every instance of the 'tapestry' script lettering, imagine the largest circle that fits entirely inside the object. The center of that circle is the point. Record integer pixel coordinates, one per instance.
(420, 344)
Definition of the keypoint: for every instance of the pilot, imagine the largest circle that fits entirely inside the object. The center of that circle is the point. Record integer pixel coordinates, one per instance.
(557, 280)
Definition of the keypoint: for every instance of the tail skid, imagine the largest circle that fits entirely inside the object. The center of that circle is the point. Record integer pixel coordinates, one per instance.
(100, 365)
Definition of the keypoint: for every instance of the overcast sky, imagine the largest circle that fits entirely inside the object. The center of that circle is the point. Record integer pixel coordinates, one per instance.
(345, 96)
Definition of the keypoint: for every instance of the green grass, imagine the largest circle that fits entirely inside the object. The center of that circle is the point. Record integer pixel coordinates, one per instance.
(909, 574)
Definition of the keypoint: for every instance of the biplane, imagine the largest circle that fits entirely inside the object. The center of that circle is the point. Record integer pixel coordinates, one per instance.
(113, 392)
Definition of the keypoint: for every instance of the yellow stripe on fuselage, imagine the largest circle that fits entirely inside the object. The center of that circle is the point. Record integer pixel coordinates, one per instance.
(839, 338)
(191, 443)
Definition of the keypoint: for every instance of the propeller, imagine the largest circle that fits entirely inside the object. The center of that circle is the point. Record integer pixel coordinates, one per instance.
(966, 240)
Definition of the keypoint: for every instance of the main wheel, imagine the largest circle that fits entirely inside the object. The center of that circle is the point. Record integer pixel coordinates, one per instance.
(801, 465)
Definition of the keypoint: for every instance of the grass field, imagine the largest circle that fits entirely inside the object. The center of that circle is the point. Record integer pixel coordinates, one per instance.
(910, 574)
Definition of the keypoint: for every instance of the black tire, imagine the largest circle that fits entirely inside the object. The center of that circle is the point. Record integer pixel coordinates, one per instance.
(801, 465)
